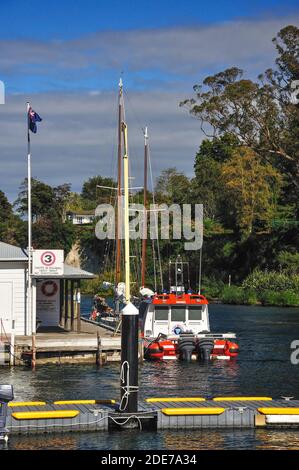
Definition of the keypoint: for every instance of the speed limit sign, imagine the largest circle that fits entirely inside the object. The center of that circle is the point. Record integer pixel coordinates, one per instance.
(48, 262)
(48, 258)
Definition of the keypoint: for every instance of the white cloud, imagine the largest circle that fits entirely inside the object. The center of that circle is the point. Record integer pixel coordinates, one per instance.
(78, 137)
(175, 52)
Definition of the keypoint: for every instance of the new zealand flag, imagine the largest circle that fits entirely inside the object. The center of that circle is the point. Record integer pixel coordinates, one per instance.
(33, 118)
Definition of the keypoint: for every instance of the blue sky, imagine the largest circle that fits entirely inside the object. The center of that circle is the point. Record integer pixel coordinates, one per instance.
(66, 57)
(57, 19)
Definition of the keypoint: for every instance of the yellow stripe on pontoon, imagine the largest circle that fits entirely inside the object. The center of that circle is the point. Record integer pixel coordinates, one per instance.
(26, 403)
(279, 411)
(242, 399)
(45, 414)
(83, 402)
(176, 399)
(192, 411)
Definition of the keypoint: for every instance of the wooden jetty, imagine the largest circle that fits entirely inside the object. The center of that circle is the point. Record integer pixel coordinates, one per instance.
(175, 413)
(57, 345)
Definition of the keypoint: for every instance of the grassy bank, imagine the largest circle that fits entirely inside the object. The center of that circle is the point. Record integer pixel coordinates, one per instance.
(243, 296)
(259, 288)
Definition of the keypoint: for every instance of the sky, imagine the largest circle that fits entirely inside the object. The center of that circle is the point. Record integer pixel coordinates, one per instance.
(66, 57)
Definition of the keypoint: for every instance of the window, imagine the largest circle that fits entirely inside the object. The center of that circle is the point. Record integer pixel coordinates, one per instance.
(178, 313)
(195, 313)
(161, 313)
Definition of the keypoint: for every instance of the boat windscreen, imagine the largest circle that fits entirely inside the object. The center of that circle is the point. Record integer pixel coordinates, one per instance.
(161, 313)
(195, 313)
(178, 314)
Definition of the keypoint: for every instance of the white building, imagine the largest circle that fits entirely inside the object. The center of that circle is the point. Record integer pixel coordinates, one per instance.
(56, 301)
(82, 217)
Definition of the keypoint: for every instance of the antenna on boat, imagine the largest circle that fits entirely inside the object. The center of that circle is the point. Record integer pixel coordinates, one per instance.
(199, 274)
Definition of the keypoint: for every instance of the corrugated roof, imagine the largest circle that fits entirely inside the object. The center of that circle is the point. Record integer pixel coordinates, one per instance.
(12, 253)
(15, 253)
(72, 272)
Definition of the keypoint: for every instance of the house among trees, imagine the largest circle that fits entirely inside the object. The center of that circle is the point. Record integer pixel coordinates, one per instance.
(81, 217)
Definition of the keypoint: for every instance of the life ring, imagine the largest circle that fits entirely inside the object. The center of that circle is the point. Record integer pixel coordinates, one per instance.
(49, 288)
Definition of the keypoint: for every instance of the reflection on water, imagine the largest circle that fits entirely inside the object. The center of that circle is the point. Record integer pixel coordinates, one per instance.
(208, 439)
(263, 367)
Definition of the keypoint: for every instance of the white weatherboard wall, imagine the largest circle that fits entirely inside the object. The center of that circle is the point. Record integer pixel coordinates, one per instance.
(13, 296)
(48, 302)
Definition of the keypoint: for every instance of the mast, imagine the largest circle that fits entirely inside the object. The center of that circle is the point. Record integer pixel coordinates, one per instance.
(126, 214)
(144, 239)
(119, 175)
(129, 331)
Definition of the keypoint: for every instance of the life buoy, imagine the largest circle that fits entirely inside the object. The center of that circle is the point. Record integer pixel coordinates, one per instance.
(49, 288)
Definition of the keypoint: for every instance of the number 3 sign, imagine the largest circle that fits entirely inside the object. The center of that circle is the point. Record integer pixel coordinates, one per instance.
(48, 258)
(48, 262)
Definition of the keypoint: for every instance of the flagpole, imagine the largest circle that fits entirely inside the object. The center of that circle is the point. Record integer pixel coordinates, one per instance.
(29, 228)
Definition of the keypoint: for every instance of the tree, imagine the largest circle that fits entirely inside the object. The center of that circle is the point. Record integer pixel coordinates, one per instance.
(5, 207)
(62, 195)
(42, 199)
(253, 188)
(207, 186)
(259, 114)
(92, 195)
(173, 187)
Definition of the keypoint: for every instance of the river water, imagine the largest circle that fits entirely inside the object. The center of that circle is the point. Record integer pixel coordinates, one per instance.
(262, 368)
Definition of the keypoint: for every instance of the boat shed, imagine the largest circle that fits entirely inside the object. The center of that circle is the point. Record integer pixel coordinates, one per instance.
(55, 300)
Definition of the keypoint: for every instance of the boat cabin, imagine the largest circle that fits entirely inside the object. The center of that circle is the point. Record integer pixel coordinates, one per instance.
(173, 314)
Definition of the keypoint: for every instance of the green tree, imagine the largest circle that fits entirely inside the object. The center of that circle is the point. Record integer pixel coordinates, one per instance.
(172, 186)
(42, 199)
(92, 194)
(259, 114)
(5, 207)
(207, 186)
(253, 187)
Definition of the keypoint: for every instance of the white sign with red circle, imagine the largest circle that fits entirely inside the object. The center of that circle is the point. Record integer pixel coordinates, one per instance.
(48, 262)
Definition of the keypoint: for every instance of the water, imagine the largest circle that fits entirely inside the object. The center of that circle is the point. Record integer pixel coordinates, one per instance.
(262, 368)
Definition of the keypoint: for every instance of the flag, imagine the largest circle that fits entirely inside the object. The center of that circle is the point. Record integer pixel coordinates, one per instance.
(33, 118)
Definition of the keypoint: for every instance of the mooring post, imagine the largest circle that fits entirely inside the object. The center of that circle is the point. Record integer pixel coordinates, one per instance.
(129, 360)
(12, 345)
(33, 361)
(140, 347)
(99, 358)
(78, 304)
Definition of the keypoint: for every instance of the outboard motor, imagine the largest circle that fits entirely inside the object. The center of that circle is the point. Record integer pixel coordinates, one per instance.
(204, 348)
(6, 395)
(186, 346)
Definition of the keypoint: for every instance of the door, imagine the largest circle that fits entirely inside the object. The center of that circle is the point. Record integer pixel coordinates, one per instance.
(6, 307)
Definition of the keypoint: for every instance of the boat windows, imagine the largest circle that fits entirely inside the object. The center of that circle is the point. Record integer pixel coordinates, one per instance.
(161, 313)
(178, 314)
(195, 313)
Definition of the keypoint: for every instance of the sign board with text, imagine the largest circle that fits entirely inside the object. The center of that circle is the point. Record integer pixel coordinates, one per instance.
(48, 263)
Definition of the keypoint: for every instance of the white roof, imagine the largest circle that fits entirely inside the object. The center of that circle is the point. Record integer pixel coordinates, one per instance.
(12, 253)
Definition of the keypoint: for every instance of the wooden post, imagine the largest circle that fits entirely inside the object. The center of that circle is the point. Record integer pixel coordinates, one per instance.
(66, 304)
(72, 305)
(78, 304)
(140, 347)
(61, 310)
(33, 361)
(12, 345)
(99, 359)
